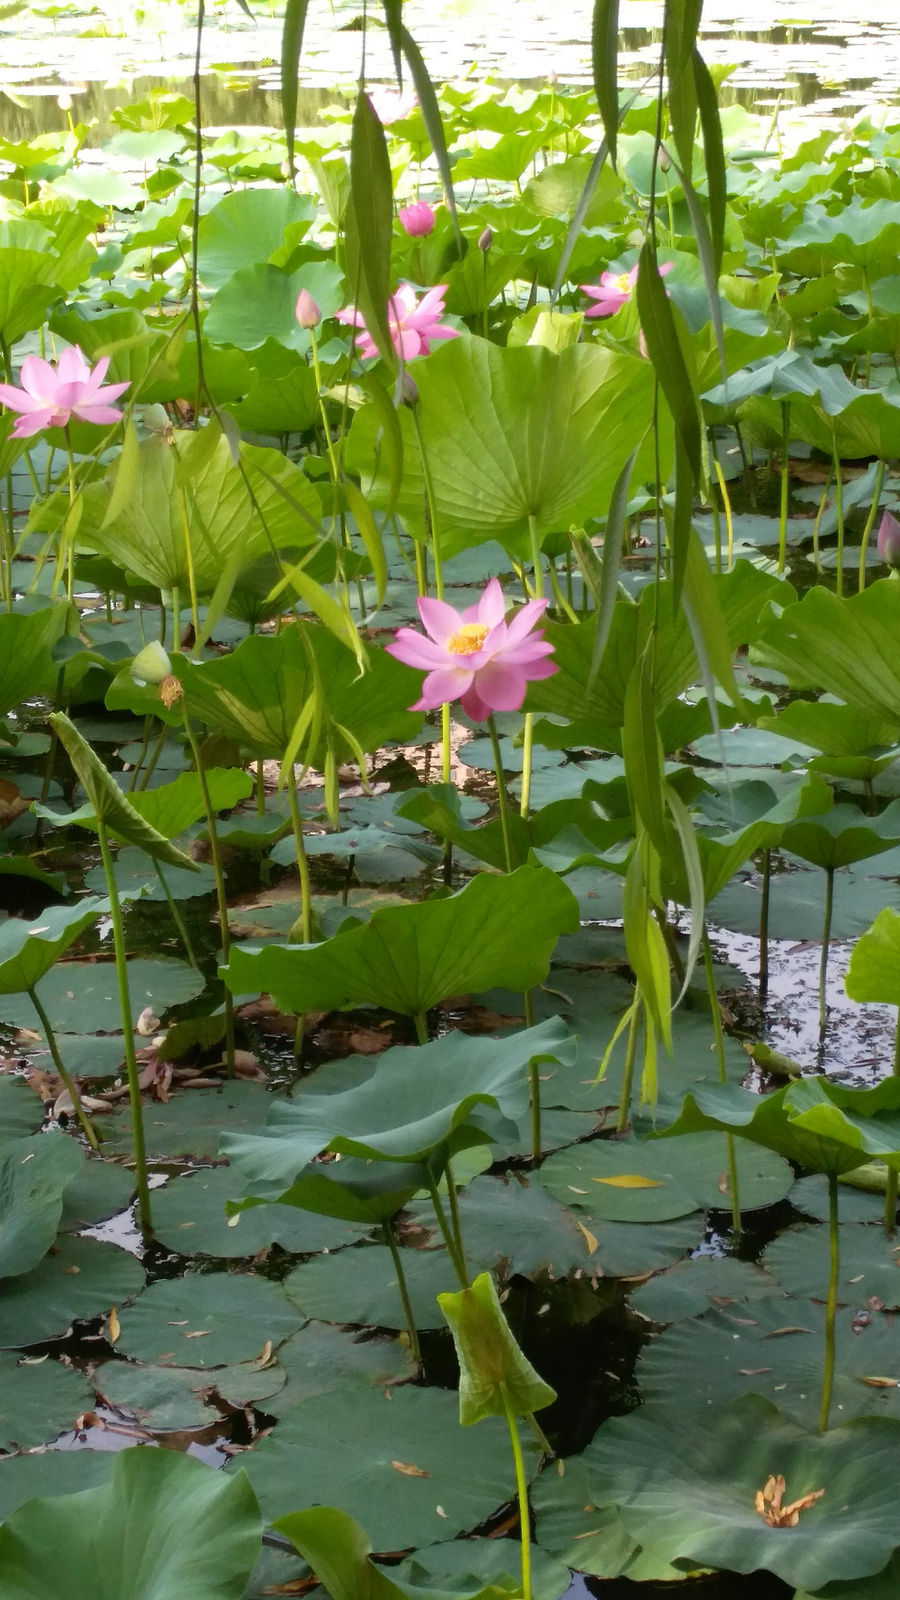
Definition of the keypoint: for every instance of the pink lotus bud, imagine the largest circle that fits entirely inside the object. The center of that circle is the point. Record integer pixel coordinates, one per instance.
(417, 219)
(306, 311)
(485, 240)
(889, 540)
(552, 76)
(409, 389)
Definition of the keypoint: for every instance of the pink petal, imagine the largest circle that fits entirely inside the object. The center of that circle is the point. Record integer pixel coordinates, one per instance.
(18, 400)
(474, 706)
(667, 266)
(407, 343)
(633, 276)
(441, 687)
(501, 687)
(523, 621)
(97, 413)
(540, 669)
(523, 654)
(491, 608)
(431, 305)
(417, 651)
(403, 302)
(27, 425)
(437, 330)
(351, 317)
(38, 378)
(438, 619)
(72, 367)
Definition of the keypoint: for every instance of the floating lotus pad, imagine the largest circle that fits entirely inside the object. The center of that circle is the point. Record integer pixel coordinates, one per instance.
(98, 1191)
(360, 1287)
(191, 1123)
(699, 1285)
(206, 1320)
(50, 1473)
(21, 1110)
(189, 1217)
(80, 1278)
(799, 1259)
(38, 1401)
(320, 1359)
(81, 996)
(629, 1180)
(587, 1537)
(33, 1175)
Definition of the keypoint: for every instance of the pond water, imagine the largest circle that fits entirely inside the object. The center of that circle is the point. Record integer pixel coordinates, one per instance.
(833, 56)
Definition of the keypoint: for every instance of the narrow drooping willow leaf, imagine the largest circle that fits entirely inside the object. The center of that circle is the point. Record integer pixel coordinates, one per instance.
(431, 116)
(291, 46)
(605, 62)
(369, 226)
(714, 151)
(682, 19)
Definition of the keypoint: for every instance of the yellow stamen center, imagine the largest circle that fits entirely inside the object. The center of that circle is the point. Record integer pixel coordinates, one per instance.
(622, 283)
(467, 639)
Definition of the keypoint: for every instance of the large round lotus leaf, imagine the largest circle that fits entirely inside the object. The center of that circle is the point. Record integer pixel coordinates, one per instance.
(751, 747)
(695, 1286)
(558, 1129)
(587, 1537)
(160, 1400)
(884, 1585)
(164, 1525)
(86, 1055)
(810, 1195)
(189, 1216)
(28, 951)
(636, 1180)
(360, 1286)
(134, 868)
(632, 1249)
(320, 1359)
(33, 1174)
(775, 1348)
(79, 1278)
(53, 1472)
(98, 1191)
(21, 1111)
(191, 1123)
(206, 1320)
(799, 1259)
(441, 1566)
(685, 1481)
(515, 1223)
(248, 226)
(38, 1401)
(797, 905)
(81, 996)
(401, 1465)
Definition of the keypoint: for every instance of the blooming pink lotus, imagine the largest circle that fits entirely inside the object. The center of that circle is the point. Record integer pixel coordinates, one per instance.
(417, 219)
(889, 540)
(476, 656)
(392, 105)
(614, 290)
(413, 324)
(50, 394)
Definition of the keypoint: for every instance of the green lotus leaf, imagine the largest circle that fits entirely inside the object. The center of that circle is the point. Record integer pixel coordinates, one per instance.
(249, 226)
(644, 1180)
(797, 901)
(79, 1278)
(339, 1554)
(842, 836)
(29, 950)
(770, 1120)
(587, 1537)
(33, 1175)
(495, 1376)
(846, 647)
(358, 1287)
(39, 1401)
(492, 1561)
(864, 234)
(407, 958)
(799, 1260)
(684, 1483)
(27, 666)
(320, 1359)
(867, 1121)
(836, 730)
(874, 971)
(694, 1286)
(165, 1525)
(78, 995)
(110, 805)
(98, 1191)
(192, 1124)
(356, 1190)
(258, 302)
(161, 1400)
(189, 1217)
(21, 1111)
(414, 1102)
(51, 1472)
(206, 1320)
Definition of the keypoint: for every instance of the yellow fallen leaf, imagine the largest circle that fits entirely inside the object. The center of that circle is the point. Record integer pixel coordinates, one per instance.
(589, 1238)
(882, 1383)
(408, 1470)
(112, 1326)
(202, 1333)
(631, 1180)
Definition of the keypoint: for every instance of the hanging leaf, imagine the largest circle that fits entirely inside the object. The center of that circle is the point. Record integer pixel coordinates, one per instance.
(359, 506)
(605, 62)
(874, 972)
(291, 45)
(391, 434)
(369, 224)
(111, 806)
(659, 327)
(493, 1372)
(642, 750)
(714, 152)
(431, 116)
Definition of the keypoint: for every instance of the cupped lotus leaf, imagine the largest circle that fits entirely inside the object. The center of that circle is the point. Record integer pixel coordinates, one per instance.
(27, 279)
(842, 836)
(770, 1120)
(358, 1287)
(175, 806)
(111, 806)
(247, 226)
(865, 1121)
(695, 1286)
(206, 1320)
(799, 1259)
(354, 1190)
(408, 958)
(165, 1526)
(723, 855)
(415, 1101)
(38, 1401)
(844, 646)
(586, 1537)
(874, 971)
(773, 1348)
(148, 514)
(862, 234)
(638, 1180)
(257, 694)
(402, 1465)
(189, 1217)
(685, 1484)
(836, 730)
(29, 950)
(338, 1551)
(787, 376)
(512, 1225)
(742, 594)
(27, 667)
(257, 303)
(881, 1586)
(47, 1472)
(321, 1359)
(79, 1278)
(33, 1175)
(496, 1377)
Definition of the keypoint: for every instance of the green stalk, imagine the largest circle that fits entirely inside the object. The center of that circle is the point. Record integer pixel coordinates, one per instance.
(221, 897)
(431, 506)
(870, 523)
(65, 1078)
(155, 754)
(839, 509)
(131, 1066)
(783, 511)
(178, 919)
(302, 864)
(538, 584)
(534, 1087)
(459, 1265)
(522, 1493)
(454, 1215)
(890, 1191)
(314, 350)
(834, 1251)
(628, 1071)
(729, 518)
(716, 1010)
(260, 790)
(823, 959)
(388, 1236)
(764, 924)
(818, 522)
(502, 797)
(421, 1022)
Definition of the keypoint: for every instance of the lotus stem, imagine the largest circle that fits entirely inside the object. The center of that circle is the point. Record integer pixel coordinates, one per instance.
(329, 442)
(65, 1077)
(502, 797)
(870, 523)
(534, 1087)
(528, 744)
(421, 1021)
(219, 875)
(823, 959)
(718, 1031)
(527, 747)
(178, 919)
(260, 790)
(412, 1332)
(783, 510)
(890, 1190)
(521, 1492)
(454, 1214)
(628, 1071)
(729, 517)
(456, 1257)
(131, 1067)
(818, 522)
(764, 925)
(839, 509)
(302, 864)
(834, 1253)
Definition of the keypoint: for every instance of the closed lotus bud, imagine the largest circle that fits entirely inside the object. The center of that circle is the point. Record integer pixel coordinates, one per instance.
(417, 219)
(410, 389)
(306, 311)
(485, 240)
(552, 76)
(64, 100)
(662, 160)
(889, 540)
(151, 665)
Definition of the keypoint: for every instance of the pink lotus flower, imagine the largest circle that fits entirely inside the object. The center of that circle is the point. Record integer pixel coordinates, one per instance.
(412, 324)
(417, 219)
(889, 540)
(475, 656)
(392, 105)
(614, 290)
(50, 394)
